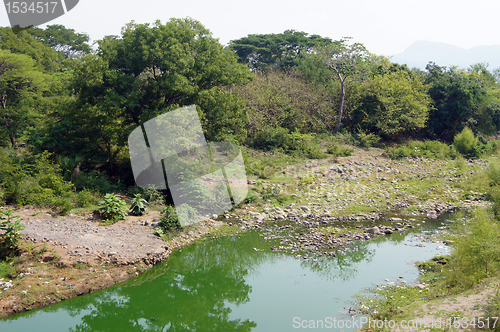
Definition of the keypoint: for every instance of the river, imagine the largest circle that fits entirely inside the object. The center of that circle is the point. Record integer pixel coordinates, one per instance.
(236, 283)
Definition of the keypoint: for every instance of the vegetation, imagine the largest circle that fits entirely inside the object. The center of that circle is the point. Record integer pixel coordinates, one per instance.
(113, 208)
(11, 226)
(475, 258)
(138, 205)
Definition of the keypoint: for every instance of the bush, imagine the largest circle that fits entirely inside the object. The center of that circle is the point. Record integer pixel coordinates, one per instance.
(290, 142)
(169, 219)
(425, 149)
(138, 205)
(11, 227)
(86, 198)
(96, 181)
(367, 140)
(467, 144)
(476, 255)
(339, 151)
(62, 205)
(31, 180)
(113, 208)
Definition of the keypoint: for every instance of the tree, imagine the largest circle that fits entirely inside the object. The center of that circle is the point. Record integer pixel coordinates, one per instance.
(21, 87)
(459, 97)
(277, 99)
(66, 41)
(154, 68)
(347, 63)
(145, 72)
(22, 42)
(279, 51)
(392, 104)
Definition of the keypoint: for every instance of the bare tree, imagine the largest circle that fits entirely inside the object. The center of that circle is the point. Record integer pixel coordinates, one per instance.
(348, 63)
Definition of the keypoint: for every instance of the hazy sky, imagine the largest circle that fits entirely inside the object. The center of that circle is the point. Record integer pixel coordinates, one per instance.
(384, 26)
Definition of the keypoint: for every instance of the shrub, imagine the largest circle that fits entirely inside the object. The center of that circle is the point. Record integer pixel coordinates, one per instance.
(96, 181)
(426, 149)
(138, 205)
(476, 255)
(86, 198)
(339, 151)
(169, 219)
(61, 205)
(187, 213)
(11, 227)
(31, 179)
(466, 143)
(251, 198)
(367, 140)
(113, 208)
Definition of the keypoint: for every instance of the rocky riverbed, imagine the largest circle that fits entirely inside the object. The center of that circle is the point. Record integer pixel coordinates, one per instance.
(311, 210)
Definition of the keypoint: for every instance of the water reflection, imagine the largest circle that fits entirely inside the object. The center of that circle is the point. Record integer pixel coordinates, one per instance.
(228, 284)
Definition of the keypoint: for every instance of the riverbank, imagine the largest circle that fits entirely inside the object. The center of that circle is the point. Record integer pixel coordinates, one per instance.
(321, 205)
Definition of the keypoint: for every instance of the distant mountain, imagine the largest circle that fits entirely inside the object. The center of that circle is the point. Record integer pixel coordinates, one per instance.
(421, 52)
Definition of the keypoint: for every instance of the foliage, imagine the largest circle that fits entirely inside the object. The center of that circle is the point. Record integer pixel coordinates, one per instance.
(31, 180)
(94, 180)
(476, 254)
(286, 100)
(224, 116)
(113, 208)
(467, 144)
(22, 42)
(11, 226)
(70, 166)
(367, 140)
(275, 51)
(459, 98)
(66, 41)
(347, 63)
(86, 198)
(138, 205)
(169, 219)
(21, 88)
(391, 104)
(340, 151)
(425, 149)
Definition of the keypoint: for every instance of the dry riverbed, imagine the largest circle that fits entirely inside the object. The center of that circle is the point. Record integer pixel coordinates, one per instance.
(329, 204)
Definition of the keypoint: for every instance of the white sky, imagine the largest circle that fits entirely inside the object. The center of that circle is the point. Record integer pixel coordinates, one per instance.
(385, 27)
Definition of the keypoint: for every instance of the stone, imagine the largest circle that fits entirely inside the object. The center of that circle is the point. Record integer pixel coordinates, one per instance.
(305, 208)
(373, 230)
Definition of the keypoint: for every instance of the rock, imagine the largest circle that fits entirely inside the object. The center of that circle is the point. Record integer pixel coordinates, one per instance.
(373, 230)
(388, 231)
(447, 242)
(305, 208)
(418, 286)
(395, 219)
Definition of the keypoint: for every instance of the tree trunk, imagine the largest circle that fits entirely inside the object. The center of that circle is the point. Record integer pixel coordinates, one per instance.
(341, 107)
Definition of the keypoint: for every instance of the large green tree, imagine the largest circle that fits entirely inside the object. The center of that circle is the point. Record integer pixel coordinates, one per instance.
(21, 88)
(391, 104)
(22, 42)
(151, 68)
(148, 70)
(278, 51)
(64, 40)
(459, 97)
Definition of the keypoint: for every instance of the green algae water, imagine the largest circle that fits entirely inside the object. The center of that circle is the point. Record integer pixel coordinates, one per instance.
(236, 283)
